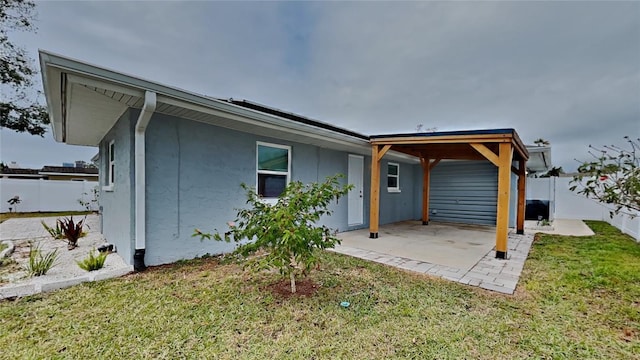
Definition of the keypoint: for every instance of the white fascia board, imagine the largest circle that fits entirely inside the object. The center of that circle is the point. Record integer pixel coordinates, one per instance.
(51, 80)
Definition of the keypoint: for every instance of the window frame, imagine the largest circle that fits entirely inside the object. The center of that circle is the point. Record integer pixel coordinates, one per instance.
(111, 166)
(395, 189)
(272, 172)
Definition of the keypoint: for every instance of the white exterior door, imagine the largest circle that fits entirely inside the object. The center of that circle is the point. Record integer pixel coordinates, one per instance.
(356, 196)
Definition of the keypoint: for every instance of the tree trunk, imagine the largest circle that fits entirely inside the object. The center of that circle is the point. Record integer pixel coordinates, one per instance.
(292, 276)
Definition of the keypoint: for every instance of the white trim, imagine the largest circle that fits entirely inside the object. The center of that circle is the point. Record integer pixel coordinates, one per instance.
(140, 163)
(395, 189)
(111, 163)
(271, 172)
(107, 188)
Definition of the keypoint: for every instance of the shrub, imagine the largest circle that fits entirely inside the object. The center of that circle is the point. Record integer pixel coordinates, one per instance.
(72, 231)
(56, 232)
(287, 230)
(92, 262)
(39, 264)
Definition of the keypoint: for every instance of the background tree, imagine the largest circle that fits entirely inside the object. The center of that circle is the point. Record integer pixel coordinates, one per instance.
(19, 109)
(612, 177)
(542, 142)
(553, 172)
(287, 231)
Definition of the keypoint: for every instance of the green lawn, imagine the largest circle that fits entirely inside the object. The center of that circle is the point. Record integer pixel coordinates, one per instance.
(579, 298)
(12, 215)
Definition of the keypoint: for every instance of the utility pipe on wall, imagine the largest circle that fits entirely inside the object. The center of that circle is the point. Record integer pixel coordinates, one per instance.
(140, 180)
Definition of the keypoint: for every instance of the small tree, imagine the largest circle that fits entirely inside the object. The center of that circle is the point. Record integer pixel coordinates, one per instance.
(14, 201)
(612, 177)
(287, 231)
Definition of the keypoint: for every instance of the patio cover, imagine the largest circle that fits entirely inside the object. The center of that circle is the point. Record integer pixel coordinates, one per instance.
(501, 147)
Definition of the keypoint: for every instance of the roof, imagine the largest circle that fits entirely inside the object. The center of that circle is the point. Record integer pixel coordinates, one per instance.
(50, 170)
(85, 101)
(449, 133)
(539, 158)
(295, 117)
(70, 170)
(19, 171)
(462, 145)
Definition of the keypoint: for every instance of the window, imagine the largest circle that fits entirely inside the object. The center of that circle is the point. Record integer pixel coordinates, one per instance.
(393, 177)
(111, 165)
(273, 169)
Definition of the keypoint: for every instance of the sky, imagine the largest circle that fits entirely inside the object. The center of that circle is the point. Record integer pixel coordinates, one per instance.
(567, 72)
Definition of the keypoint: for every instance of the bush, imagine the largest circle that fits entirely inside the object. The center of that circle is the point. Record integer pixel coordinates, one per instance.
(72, 231)
(287, 230)
(39, 264)
(92, 262)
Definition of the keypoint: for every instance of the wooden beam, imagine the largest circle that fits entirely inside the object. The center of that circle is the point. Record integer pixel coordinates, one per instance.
(515, 170)
(504, 187)
(443, 139)
(522, 184)
(374, 202)
(383, 151)
(426, 170)
(434, 163)
(488, 154)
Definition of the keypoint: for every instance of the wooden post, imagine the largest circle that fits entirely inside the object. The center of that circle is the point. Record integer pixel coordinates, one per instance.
(426, 173)
(374, 204)
(504, 186)
(522, 183)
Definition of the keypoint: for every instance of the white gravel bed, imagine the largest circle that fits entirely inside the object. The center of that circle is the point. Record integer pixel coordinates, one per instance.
(65, 267)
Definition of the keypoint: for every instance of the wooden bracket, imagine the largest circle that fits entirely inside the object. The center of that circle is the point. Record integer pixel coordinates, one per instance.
(488, 154)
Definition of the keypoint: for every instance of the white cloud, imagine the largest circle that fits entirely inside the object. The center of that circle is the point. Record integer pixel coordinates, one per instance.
(568, 72)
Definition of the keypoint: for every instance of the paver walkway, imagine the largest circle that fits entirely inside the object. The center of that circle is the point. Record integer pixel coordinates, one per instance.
(488, 273)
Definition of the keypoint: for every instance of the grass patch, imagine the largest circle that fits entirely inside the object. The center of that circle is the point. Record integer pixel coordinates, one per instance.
(578, 298)
(13, 215)
(3, 246)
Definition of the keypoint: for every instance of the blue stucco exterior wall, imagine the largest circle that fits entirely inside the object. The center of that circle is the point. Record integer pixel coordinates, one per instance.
(117, 205)
(398, 206)
(194, 171)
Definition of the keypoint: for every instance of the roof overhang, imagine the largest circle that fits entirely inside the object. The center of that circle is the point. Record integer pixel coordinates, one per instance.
(455, 145)
(85, 101)
(539, 158)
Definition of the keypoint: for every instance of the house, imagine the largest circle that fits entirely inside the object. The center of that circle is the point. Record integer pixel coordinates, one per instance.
(171, 161)
(51, 173)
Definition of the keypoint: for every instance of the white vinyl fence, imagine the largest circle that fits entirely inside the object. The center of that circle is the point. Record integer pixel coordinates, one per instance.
(46, 195)
(571, 205)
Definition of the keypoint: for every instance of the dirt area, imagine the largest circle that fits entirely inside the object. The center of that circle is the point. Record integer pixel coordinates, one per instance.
(304, 288)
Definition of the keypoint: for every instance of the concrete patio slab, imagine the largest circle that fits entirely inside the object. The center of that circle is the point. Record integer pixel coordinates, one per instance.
(456, 252)
(568, 227)
(454, 245)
